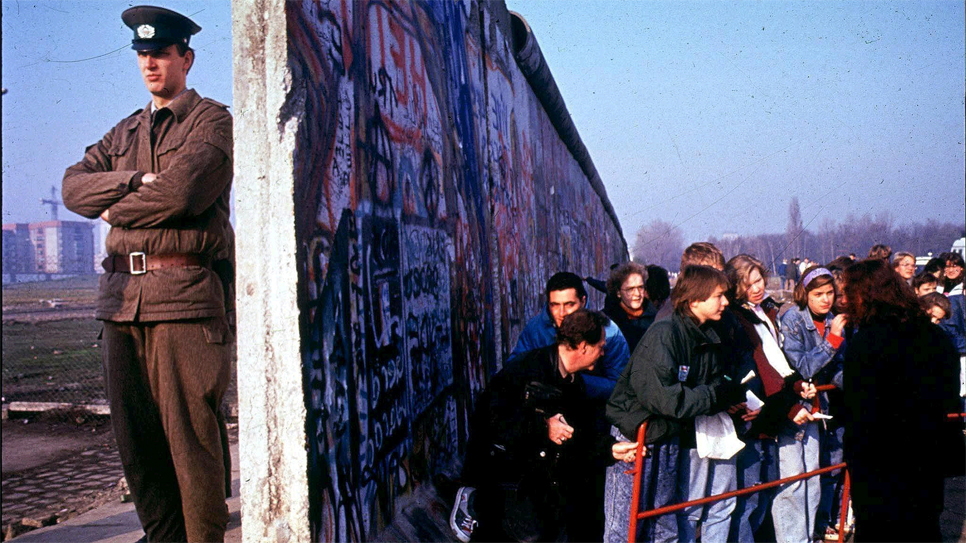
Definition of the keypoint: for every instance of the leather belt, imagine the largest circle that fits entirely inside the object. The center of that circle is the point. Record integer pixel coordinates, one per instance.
(139, 263)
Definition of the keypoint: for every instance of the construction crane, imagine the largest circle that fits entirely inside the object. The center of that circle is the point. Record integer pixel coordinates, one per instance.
(52, 202)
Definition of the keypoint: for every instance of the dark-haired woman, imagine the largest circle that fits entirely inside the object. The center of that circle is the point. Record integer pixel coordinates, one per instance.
(955, 322)
(900, 369)
(812, 333)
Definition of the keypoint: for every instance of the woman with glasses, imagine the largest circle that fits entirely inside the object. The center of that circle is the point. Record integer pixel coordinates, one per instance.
(635, 313)
(905, 265)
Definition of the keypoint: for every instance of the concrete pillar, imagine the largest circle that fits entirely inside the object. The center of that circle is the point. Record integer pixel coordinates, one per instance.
(271, 406)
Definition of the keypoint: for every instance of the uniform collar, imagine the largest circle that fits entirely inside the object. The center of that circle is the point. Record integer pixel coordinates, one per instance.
(182, 104)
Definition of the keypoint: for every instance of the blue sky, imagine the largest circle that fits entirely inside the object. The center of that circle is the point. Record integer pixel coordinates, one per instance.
(709, 115)
(71, 75)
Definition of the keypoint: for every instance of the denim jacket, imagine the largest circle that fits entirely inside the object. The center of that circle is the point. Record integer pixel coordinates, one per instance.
(541, 332)
(810, 353)
(807, 351)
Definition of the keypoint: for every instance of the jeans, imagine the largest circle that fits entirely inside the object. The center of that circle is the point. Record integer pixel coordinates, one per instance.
(658, 488)
(757, 463)
(705, 477)
(796, 504)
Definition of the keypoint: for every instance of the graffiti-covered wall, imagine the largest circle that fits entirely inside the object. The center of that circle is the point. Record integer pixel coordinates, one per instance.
(433, 197)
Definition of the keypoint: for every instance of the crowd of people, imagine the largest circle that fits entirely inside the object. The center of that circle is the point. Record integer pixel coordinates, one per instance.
(727, 380)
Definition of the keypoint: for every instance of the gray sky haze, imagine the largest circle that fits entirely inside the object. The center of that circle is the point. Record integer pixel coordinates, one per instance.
(708, 115)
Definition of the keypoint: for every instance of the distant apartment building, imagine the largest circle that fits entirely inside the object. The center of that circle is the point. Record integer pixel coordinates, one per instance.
(101, 228)
(49, 247)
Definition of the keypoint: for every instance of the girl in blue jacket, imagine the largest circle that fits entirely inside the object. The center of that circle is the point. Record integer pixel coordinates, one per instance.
(812, 334)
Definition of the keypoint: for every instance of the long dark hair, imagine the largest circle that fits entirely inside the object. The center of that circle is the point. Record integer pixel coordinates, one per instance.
(875, 292)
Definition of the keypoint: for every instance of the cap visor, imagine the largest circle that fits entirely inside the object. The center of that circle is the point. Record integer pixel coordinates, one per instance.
(149, 45)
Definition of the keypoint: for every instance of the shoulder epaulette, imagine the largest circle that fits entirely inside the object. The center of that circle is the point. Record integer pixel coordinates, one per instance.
(214, 102)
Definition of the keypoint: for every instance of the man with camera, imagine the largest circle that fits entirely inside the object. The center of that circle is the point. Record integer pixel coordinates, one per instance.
(534, 445)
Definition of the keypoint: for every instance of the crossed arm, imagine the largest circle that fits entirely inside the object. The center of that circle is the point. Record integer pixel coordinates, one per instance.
(194, 178)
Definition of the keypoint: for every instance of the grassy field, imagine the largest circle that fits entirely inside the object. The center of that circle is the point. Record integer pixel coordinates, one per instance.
(52, 361)
(74, 291)
(54, 358)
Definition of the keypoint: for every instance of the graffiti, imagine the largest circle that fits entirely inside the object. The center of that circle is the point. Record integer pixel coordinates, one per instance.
(433, 198)
(427, 299)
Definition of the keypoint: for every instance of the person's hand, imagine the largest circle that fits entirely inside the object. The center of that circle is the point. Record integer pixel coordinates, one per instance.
(106, 214)
(558, 430)
(803, 416)
(149, 177)
(625, 451)
(838, 324)
(808, 391)
(747, 416)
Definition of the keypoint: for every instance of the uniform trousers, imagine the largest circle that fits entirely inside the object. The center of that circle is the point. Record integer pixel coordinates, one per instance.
(165, 382)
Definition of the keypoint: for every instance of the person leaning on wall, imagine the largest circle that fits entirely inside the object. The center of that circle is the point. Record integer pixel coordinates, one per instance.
(162, 179)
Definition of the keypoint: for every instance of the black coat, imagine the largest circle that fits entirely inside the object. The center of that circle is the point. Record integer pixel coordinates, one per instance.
(901, 380)
(511, 460)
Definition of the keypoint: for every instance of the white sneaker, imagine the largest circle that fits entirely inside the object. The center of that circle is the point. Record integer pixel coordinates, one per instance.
(461, 518)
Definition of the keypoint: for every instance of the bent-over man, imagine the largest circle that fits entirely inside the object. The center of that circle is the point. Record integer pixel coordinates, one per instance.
(535, 447)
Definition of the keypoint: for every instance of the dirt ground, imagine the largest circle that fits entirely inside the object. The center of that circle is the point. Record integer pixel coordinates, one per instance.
(29, 442)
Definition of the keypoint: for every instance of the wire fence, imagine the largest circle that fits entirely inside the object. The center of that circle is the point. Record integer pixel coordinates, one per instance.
(53, 361)
(51, 347)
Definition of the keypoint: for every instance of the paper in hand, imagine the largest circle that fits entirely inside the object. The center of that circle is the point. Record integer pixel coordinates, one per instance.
(753, 402)
(822, 416)
(749, 377)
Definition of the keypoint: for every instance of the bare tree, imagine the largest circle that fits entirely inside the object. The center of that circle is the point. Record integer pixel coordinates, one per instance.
(659, 243)
(794, 230)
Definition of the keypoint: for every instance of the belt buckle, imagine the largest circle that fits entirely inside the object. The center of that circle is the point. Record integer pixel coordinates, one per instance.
(144, 263)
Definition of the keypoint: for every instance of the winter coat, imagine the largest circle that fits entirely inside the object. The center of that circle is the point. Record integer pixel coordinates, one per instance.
(673, 376)
(185, 210)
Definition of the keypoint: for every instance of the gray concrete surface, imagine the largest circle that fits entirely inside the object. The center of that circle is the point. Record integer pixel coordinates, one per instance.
(117, 522)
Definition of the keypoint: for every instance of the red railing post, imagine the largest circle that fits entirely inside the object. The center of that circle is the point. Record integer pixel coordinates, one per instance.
(636, 493)
(846, 489)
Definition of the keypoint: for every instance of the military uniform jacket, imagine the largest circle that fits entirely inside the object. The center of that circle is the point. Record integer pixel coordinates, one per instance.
(188, 144)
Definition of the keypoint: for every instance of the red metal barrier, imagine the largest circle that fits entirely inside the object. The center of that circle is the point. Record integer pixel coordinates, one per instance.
(636, 495)
(636, 515)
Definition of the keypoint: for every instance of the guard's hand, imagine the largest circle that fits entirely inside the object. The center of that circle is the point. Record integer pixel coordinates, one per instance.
(149, 177)
(625, 451)
(803, 416)
(838, 324)
(558, 430)
(808, 391)
(734, 409)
